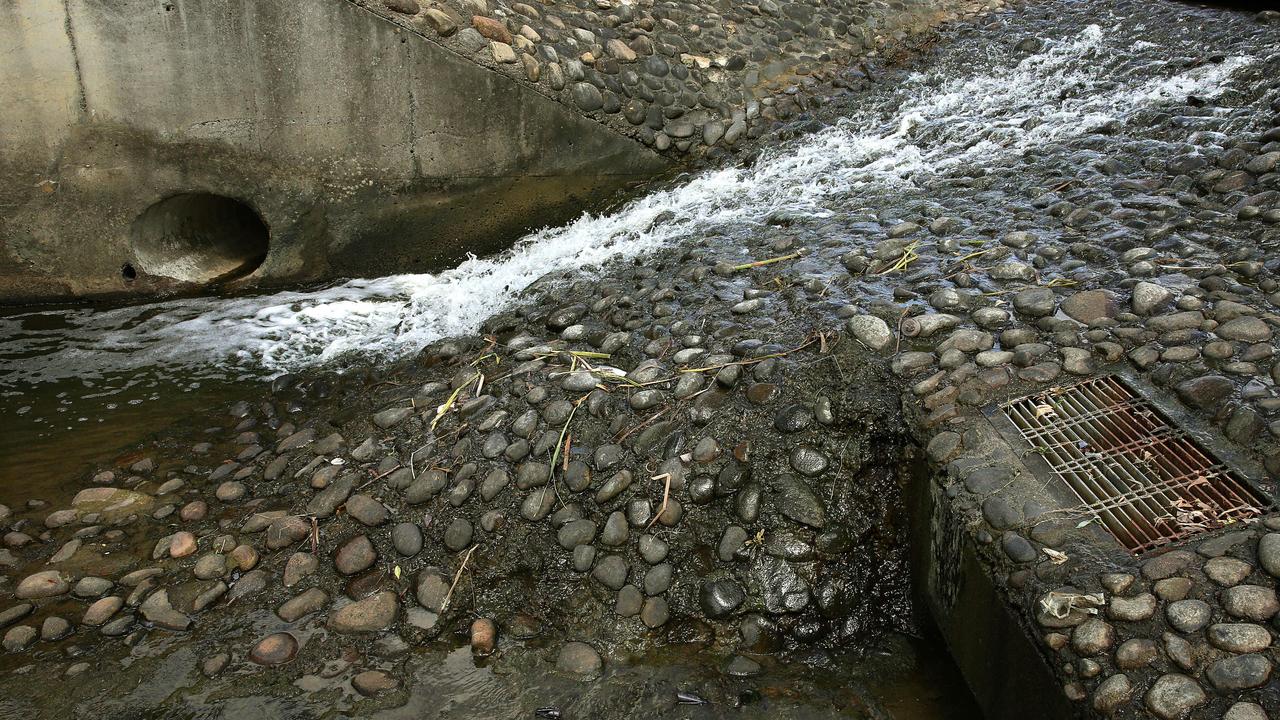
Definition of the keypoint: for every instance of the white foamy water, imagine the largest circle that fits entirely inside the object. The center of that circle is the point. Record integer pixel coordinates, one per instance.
(933, 123)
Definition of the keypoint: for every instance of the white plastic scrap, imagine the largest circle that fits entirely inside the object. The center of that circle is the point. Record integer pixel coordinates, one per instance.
(1059, 604)
(1057, 557)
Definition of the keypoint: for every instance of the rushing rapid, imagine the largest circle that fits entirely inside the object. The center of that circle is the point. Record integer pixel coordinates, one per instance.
(929, 124)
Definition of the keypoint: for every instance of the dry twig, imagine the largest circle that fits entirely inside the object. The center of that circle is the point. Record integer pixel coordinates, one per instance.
(456, 577)
(666, 494)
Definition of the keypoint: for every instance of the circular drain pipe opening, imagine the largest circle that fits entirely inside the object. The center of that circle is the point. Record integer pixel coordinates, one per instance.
(198, 238)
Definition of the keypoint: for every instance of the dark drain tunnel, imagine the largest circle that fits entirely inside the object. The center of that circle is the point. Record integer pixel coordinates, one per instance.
(197, 238)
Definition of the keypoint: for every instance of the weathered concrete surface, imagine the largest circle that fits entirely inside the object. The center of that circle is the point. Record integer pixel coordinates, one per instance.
(363, 147)
(372, 137)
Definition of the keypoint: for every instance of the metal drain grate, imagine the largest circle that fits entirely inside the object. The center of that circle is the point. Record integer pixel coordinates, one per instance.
(1145, 479)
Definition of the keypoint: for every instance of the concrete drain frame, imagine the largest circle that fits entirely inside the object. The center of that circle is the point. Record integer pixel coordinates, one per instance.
(1112, 453)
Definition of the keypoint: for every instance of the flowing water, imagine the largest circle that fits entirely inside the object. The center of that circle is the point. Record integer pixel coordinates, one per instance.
(78, 383)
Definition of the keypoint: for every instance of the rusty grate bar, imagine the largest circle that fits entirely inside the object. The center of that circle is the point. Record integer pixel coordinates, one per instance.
(1145, 479)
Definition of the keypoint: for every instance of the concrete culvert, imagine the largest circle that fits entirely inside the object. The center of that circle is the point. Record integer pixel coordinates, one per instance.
(199, 238)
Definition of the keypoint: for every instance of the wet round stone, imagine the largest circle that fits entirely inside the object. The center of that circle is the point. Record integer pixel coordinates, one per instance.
(741, 666)
(1245, 711)
(732, 541)
(1239, 637)
(406, 537)
(54, 628)
(458, 535)
(1136, 653)
(719, 598)
(1205, 392)
(671, 513)
(1239, 672)
(1112, 693)
(1167, 565)
(584, 556)
(1173, 589)
(1227, 571)
(368, 511)
(1269, 553)
(274, 649)
(102, 610)
(645, 399)
(91, 587)
(432, 589)
(309, 601)
(286, 531)
(1092, 637)
(799, 503)
(702, 489)
(580, 659)
(374, 682)
(119, 626)
(579, 382)
(182, 544)
(1174, 696)
(157, 609)
(374, 613)
(210, 566)
(1132, 609)
(653, 549)
(1189, 616)
(1018, 548)
(611, 572)
(793, 419)
(243, 557)
(1036, 302)
(215, 664)
(658, 579)
(299, 566)
(575, 533)
(1250, 602)
(484, 636)
(49, 583)
(230, 491)
(587, 97)
(639, 512)
(615, 529)
(355, 555)
(19, 638)
(747, 502)
(655, 613)
(629, 602)
(808, 461)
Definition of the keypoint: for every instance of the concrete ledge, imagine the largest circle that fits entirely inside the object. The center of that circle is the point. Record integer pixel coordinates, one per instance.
(363, 147)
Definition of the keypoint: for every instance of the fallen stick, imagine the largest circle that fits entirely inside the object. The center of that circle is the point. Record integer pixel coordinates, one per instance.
(456, 577)
(666, 493)
(770, 261)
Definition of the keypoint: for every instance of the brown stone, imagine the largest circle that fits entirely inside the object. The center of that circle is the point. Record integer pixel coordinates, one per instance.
(374, 682)
(355, 555)
(483, 636)
(1091, 305)
(102, 610)
(194, 511)
(492, 29)
(245, 557)
(182, 544)
(275, 649)
(372, 614)
(49, 583)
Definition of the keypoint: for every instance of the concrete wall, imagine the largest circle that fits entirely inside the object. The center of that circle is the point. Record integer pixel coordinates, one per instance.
(994, 651)
(364, 147)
